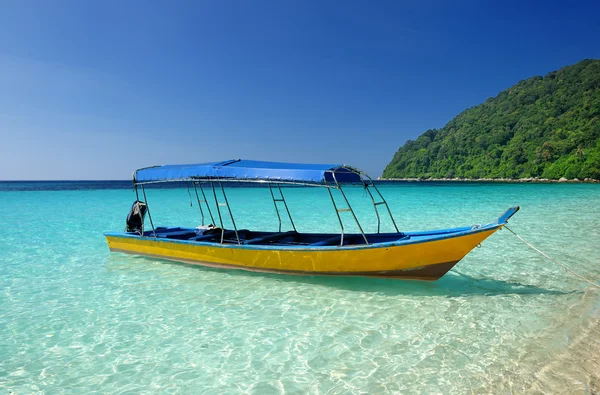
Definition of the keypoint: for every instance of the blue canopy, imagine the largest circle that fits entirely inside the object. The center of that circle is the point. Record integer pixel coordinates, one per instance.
(249, 170)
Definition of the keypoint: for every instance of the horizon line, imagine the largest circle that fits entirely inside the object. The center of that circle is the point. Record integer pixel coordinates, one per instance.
(62, 180)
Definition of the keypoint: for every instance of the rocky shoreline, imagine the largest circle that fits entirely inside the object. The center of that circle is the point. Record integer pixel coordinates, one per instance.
(517, 180)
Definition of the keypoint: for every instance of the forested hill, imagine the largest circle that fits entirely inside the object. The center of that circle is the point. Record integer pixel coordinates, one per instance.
(546, 127)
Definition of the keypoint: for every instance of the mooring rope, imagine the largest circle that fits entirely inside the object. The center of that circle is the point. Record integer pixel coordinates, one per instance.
(553, 260)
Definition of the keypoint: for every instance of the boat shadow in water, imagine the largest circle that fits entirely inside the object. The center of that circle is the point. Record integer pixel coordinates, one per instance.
(453, 284)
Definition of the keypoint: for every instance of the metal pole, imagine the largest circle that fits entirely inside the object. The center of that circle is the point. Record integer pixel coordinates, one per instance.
(230, 215)
(286, 207)
(206, 202)
(148, 208)
(137, 199)
(275, 204)
(199, 204)
(384, 202)
(350, 207)
(338, 215)
(212, 184)
(374, 207)
(198, 179)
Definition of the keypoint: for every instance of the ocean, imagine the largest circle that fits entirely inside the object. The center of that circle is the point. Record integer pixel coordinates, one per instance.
(75, 318)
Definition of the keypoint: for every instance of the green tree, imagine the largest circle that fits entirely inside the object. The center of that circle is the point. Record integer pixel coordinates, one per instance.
(541, 127)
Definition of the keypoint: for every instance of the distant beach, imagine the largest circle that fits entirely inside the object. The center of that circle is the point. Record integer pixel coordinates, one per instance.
(515, 180)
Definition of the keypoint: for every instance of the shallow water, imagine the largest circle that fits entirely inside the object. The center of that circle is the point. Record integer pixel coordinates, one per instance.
(74, 317)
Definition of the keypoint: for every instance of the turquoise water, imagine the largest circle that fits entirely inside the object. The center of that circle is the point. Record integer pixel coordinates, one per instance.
(75, 318)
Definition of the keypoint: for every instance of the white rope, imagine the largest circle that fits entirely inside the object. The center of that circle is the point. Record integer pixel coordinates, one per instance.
(553, 260)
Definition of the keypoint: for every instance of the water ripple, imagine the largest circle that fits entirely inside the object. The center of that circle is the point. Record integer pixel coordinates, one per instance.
(74, 318)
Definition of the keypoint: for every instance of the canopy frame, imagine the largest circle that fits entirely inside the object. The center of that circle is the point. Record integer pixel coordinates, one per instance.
(364, 178)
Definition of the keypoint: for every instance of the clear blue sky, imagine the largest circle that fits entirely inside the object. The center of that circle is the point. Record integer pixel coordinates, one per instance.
(95, 89)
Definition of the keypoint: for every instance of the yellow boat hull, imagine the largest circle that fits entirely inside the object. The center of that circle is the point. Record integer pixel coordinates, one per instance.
(428, 260)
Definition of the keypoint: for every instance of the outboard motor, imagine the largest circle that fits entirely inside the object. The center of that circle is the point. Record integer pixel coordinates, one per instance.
(135, 218)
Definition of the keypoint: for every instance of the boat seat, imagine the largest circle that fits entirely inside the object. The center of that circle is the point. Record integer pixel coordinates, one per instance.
(171, 234)
(329, 241)
(226, 234)
(271, 237)
(212, 235)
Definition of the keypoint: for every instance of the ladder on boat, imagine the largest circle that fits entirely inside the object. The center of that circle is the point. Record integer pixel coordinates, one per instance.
(203, 200)
(347, 209)
(381, 201)
(280, 199)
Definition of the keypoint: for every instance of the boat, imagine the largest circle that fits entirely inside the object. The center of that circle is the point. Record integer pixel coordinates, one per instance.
(423, 255)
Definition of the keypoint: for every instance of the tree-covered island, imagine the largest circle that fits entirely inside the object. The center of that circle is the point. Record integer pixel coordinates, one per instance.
(544, 127)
